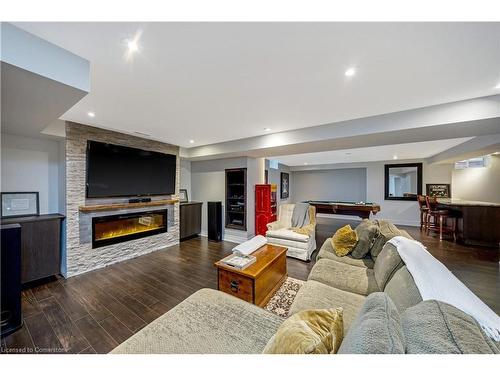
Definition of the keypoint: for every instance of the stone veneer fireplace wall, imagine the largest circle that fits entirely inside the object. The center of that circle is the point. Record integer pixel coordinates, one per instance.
(79, 255)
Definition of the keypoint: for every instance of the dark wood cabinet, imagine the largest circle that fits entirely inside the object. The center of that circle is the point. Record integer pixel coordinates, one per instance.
(478, 223)
(236, 198)
(40, 245)
(190, 219)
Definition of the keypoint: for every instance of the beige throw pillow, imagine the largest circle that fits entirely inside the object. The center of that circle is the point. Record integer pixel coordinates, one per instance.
(309, 332)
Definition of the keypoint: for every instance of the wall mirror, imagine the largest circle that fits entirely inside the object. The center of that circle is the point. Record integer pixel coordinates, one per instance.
(403, 181)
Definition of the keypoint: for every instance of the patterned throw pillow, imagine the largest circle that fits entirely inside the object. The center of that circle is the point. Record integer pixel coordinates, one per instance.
(309, 332)
(344, 240)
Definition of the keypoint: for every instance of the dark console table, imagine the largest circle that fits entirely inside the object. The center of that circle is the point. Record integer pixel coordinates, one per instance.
(190, 219)
(40, 245)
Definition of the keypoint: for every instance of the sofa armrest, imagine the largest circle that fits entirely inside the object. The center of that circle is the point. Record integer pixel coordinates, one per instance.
(275, 225)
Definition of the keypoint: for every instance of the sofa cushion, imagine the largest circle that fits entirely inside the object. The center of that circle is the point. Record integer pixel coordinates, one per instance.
(344, 240)
(435, 327)
(376, 330)
(403, 290)
(387, 230)
(315, 295)
(285, 213)
(386, 265)
(326, 252)
(367, 231)
(344, 276)
(195, 326)
(308, 332)
(289, 243)
(287, 234)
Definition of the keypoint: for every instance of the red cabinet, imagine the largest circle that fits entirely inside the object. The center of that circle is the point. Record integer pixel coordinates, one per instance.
(265, 207)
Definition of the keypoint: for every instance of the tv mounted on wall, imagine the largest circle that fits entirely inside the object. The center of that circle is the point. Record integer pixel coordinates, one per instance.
(119, 171)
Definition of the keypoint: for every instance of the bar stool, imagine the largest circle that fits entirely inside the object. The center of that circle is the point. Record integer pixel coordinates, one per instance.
(439, 222)
(422, 203)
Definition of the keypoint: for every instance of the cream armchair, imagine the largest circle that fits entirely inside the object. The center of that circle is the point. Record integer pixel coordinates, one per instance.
(300, 242)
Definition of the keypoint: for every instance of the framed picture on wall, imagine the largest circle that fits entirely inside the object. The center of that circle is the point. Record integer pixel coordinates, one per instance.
(285, 185)
(183, 196)
(17, 204)
(438, 190)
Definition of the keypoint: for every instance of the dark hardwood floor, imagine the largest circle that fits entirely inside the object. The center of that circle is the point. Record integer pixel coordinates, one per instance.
(94, 312)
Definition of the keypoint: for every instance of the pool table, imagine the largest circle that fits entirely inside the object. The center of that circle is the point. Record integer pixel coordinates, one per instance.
(363, 210)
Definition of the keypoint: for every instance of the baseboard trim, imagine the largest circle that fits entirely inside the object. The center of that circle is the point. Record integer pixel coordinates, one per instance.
(227, 237)
(233, 238)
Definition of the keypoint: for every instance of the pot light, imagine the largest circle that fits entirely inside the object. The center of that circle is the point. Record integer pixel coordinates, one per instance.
(306, 163)
(191, 141)
(395, 157)
(91, 114)
(497, 87)
(267, 129)
(132, 46)
(350, 72)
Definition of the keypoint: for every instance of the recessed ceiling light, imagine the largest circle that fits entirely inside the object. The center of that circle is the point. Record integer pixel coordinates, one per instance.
(350, 72)
(132, 46)
(306, 163)
(191, 141)
(91, 114)
(267, 129)
(395, 157)
(348, 153)
(497, 87)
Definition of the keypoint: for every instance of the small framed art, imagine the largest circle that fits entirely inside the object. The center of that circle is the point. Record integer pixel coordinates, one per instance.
(183, 196)
(17, 204)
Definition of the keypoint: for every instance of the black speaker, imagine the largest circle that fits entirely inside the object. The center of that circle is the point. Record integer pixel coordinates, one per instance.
(10, 298)
(214, 221)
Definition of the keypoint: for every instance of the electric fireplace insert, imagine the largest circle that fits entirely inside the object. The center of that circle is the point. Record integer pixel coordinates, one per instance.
(108, 230)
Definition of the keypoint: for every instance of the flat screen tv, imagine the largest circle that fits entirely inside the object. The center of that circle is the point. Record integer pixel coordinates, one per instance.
(119, 171)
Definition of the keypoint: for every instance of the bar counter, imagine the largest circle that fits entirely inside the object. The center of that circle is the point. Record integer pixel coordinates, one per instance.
(478, 222)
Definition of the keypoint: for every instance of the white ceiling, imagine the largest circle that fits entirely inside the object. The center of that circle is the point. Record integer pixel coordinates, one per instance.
(215, 82)
(416, 150)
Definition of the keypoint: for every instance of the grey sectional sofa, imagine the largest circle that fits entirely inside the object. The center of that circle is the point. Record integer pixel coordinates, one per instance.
(383, 313)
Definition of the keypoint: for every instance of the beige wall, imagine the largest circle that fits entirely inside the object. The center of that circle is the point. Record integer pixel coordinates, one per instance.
(478, 184)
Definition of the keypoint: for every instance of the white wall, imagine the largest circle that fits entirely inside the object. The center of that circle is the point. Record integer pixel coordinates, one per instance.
(400, 212)
(274, 177)
(478, 184)
(185, 174)
(347, 184)
(208, 184)
(255, 175)
(34, 164)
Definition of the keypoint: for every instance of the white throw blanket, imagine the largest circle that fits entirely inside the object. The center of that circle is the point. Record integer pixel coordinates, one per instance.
(435, 282)
(250, 246)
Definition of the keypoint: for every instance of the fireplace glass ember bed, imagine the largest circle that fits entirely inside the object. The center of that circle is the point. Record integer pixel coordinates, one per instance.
(108, 230)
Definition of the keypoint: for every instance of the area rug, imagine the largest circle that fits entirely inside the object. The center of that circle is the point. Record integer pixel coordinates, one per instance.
(280, 303)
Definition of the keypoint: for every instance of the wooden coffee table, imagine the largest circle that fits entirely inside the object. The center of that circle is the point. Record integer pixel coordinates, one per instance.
(258, 282)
